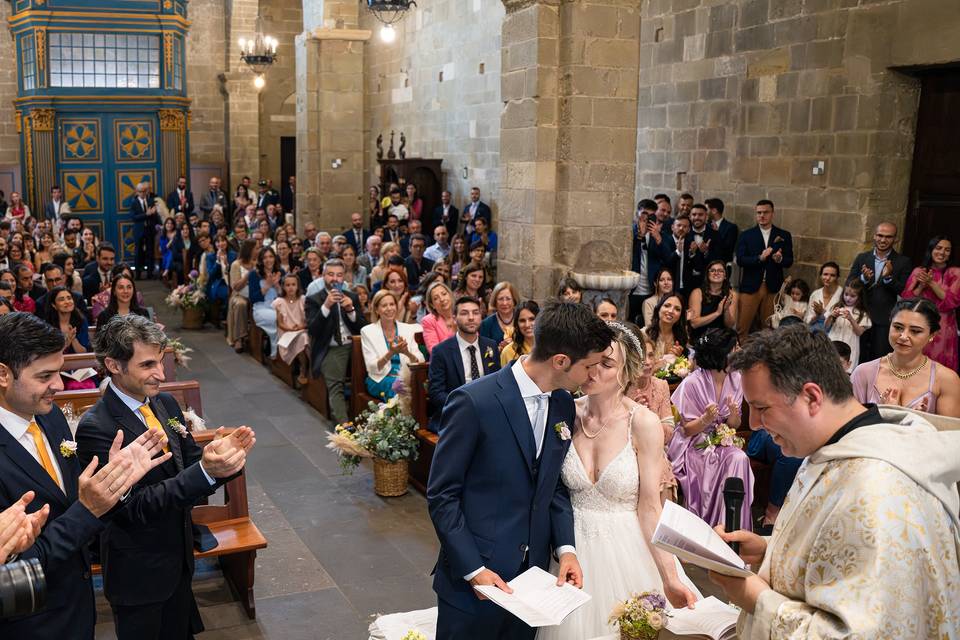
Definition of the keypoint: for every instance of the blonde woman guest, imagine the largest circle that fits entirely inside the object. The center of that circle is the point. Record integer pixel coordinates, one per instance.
(522, 342)
(388, 345)
(498, 326)
(237, 322)
(438, 324)
(387, 251)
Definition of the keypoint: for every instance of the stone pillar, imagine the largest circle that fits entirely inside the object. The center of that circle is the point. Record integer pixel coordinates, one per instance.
(568, 134)
(243, 99)
(330, 176)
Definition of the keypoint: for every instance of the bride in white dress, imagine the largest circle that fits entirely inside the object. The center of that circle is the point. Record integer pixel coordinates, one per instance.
(613, 471)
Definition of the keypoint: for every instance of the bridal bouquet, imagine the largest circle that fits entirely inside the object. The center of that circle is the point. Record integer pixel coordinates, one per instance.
(189, 295)
(722, 436)
(674, 368)
(382, 432)
(641, 617)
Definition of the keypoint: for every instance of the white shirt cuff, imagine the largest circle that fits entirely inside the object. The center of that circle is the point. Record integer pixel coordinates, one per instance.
(567, 548)
(473, 574)
(206, 475)
(324, 311)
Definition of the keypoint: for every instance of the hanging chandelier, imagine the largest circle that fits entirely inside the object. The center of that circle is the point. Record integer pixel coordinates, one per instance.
(258, 52)
(389, 12)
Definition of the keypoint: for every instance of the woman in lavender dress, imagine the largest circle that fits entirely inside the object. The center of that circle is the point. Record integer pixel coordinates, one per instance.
(708, 397)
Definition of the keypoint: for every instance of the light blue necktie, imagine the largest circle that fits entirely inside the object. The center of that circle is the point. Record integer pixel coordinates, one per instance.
(540, 417)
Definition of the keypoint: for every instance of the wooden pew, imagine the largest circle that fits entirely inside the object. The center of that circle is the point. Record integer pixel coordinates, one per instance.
(283, 371)
(237, 536)
(255, 338)
(314, 392)
(359, 398)
(187, 393)
(74, 361)
(420, 468)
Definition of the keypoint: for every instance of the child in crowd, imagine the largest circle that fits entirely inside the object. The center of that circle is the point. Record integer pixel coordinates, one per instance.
(843, 351)
(794, 298)
(848, 319)
(292, 340)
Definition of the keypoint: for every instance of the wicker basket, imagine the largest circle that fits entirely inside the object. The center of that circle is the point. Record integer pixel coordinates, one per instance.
(624, 635)
(389, 478)
(192, 318)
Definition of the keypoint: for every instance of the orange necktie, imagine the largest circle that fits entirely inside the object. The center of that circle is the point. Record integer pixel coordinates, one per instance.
(34, 430)
(153, 422)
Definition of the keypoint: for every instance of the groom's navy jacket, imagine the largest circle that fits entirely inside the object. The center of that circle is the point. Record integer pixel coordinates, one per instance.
(489, 496)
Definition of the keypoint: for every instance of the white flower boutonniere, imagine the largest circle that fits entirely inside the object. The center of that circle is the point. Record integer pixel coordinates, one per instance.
(177, 427)
(68, 448)
(488, 353)
(563, 431)
(777, 239)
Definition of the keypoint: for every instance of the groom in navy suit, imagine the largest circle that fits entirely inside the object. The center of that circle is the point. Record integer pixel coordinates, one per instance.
(494, 494)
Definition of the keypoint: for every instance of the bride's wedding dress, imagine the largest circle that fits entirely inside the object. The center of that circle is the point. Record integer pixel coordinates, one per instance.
(611, 546)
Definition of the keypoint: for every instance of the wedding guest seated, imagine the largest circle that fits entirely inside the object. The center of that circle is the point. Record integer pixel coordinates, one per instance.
(438, 324)
(285, 259)
(53, 277)
(263, 288)
(706, 399)
(292, 338)
(605, 309)
(843, 352)
(363, 297)
(498, 326)
(96, 275)
(123, 299)
(569, 291)
(354, 272)
(71, 276)
(713, 305)
(218, 272)
(459, 256)
(388, 345)
(662, 285)
(472, 283)
(462, 358)
(61, 312)
(521, 342)
(100, 301)
(667, 330)
(907, 377)
(387, 250)
(395, 281)
(22, 299)
(311, 272)
(935, 280)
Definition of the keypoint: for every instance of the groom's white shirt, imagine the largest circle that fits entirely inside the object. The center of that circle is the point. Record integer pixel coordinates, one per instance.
(531, 394)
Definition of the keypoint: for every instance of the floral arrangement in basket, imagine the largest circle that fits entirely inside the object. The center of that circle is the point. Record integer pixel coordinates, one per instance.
(722, 436)
(180, 352)
(189, 295)
(382, 431)
(678, 367)
(413, 635)
(641, 617)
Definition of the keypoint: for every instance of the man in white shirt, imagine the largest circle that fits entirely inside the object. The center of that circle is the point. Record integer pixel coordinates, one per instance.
(56, 209)
(463, 358)
(440, 248)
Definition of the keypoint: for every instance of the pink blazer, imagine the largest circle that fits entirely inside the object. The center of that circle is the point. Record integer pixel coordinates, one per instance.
(435, 331)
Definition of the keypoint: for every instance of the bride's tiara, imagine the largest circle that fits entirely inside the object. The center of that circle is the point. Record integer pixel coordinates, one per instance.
(631, 336)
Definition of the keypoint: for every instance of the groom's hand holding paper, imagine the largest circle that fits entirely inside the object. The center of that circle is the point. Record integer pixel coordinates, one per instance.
(487, 578)
(536, 599)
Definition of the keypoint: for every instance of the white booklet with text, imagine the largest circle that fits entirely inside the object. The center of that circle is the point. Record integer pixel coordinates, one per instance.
(686, 536)
(710, 619)
(80, 374)
(536, 598)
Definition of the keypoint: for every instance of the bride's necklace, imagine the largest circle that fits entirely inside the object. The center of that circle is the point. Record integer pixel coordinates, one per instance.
(903, 375)
(586, 433)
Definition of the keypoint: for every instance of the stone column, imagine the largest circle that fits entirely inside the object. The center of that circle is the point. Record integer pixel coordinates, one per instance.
(330, 176)
(243, 99)
(568, 136)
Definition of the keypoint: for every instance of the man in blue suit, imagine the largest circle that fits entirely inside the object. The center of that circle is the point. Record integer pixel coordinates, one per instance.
(724, 243)
(467, 356)
(645, 260)
(763, 252)
(145, 218)
(37, 455)
(494, 494)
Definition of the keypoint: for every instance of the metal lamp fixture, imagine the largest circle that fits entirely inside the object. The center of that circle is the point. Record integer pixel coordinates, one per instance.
(388, 13)
(258, 52)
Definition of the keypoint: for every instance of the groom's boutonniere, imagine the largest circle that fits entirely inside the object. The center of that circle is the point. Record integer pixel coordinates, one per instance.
(563, 431)
(68, 448)
(177, 427)
(488, 353)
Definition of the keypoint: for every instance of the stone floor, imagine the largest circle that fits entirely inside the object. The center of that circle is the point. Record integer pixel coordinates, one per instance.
(338, 554)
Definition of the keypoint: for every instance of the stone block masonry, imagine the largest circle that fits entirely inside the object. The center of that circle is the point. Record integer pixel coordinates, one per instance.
(9, 138)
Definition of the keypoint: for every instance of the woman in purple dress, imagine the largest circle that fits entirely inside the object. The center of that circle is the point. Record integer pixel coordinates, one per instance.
(707, 398)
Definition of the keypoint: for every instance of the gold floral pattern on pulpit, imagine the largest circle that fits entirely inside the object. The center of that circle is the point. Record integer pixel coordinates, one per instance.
(135, 140)
(83, 191)
(81, 140)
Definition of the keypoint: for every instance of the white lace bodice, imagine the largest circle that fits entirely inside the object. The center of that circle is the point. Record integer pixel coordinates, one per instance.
(615, 491)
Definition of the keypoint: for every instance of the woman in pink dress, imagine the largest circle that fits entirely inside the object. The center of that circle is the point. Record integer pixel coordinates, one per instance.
(414, 203)
(292, 339)
(939, 283)
(438, 325)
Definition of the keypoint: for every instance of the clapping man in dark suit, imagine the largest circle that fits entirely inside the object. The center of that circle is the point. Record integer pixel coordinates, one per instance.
(465, 357)
(180, 200)
(333, 316)
(147, 550)
(677, 254)
(145, 218)
(446, 214)
(39, 469)
(96, 275)
(763, 252)
(884, 274)
(473, 210)
(502, 442)
(725, 241)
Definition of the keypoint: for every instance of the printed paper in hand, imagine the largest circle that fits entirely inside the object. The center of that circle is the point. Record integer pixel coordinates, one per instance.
(692, 540)
(536, 598)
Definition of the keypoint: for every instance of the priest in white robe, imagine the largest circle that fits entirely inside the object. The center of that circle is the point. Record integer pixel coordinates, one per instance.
(867, 544)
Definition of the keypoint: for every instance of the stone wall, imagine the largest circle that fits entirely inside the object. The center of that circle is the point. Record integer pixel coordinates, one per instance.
(439, 83)
(740, 98)
(206, 60)
(9, 138)
(283, 19)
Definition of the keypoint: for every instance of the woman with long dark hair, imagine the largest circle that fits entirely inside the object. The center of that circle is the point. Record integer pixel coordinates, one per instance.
(521, 342)
(240, 270)
(714, 304)
(264, 288)
(939, 282)
(667, 330)
(61, 312)
(123, 300)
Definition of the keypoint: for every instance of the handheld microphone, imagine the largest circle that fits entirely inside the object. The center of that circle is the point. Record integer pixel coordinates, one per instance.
(732, 502)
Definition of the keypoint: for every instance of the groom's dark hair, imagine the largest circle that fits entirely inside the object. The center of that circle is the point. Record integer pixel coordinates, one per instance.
(568, 328)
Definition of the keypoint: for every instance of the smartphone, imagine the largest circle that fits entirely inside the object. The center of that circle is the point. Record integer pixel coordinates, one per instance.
(338, 286)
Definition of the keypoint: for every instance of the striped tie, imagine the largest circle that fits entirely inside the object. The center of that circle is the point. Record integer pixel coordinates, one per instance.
(34, 430)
